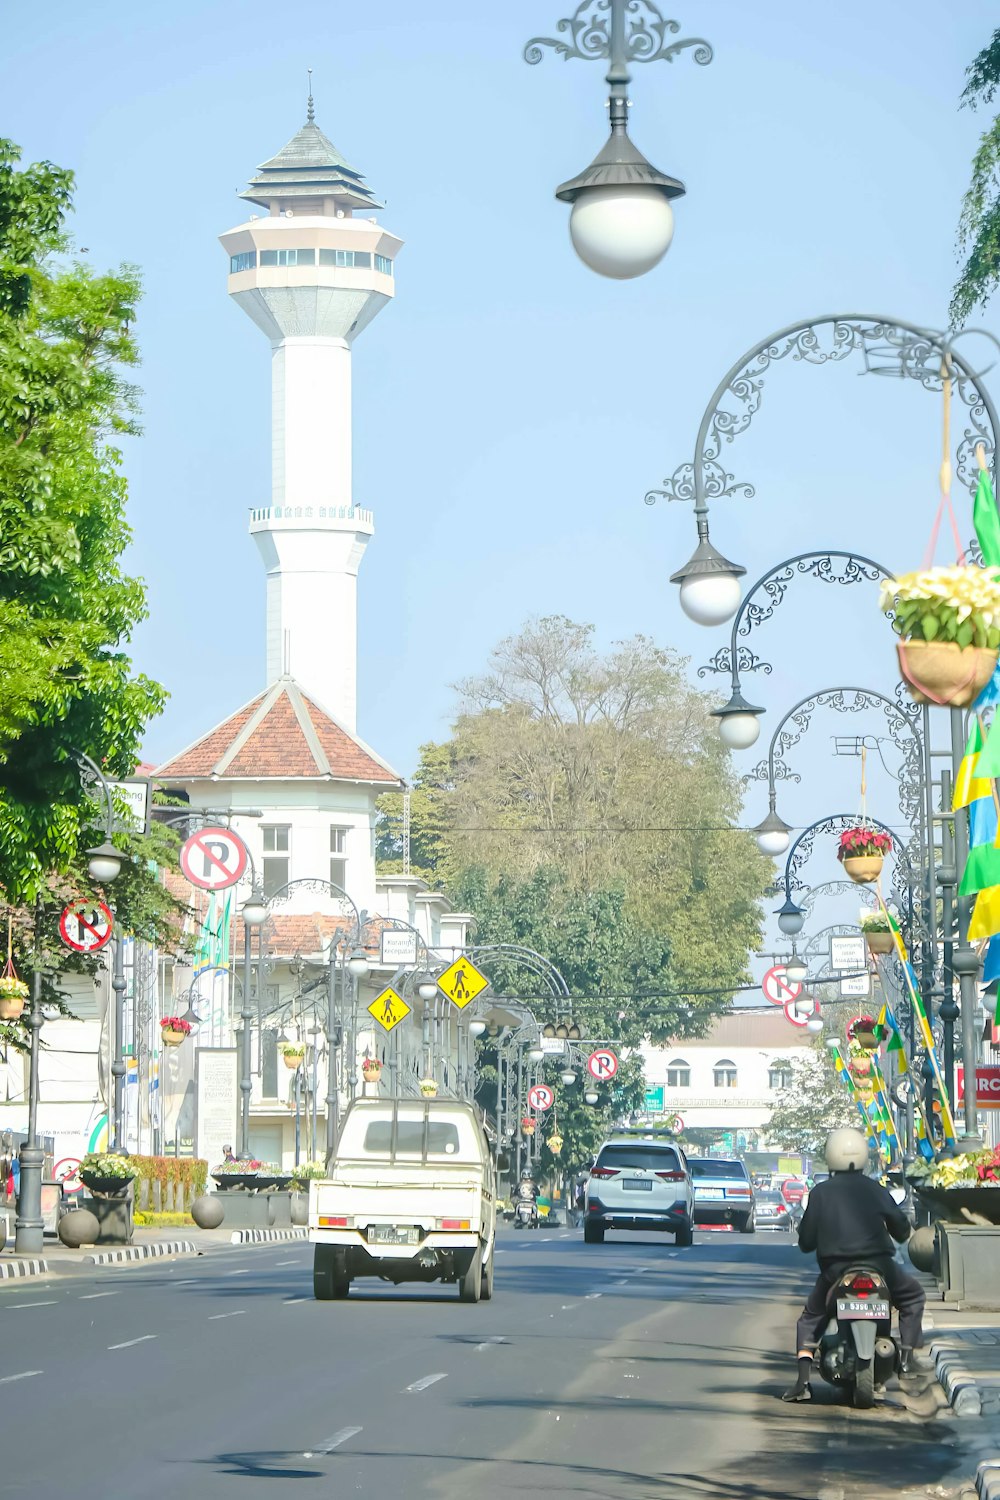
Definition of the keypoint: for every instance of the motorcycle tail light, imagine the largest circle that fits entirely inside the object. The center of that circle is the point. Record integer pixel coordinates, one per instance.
(862, 1285)
(671, 1176)
(602, 1172)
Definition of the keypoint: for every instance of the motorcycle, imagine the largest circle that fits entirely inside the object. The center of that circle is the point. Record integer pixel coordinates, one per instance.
(525, 1214)
(857, 1352)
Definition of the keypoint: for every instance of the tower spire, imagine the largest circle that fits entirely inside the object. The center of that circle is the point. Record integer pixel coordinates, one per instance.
(310, 111)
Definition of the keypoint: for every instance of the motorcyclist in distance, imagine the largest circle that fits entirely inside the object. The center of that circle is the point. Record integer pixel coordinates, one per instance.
(527, 1187)
(853, 1219)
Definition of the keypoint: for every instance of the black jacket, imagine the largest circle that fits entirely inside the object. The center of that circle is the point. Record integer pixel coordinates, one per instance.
(851, 1217)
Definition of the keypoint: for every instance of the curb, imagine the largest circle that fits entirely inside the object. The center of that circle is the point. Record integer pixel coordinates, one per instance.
(265, 1236)
(988, 1480)
(966, 1398)
(141, 1252)
(12, 1268)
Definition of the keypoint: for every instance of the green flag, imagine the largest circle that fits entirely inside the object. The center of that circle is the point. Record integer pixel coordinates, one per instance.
(988, 764)
(986, 520)
(982, 870)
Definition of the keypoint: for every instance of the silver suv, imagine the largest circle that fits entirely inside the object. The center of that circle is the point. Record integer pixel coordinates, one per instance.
(639, 1183)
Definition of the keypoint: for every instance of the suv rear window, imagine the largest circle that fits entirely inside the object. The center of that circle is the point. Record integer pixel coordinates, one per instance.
(646, 1158)
(705, 1167)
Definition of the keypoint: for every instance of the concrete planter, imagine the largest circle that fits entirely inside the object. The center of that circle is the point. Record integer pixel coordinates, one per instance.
(114, 1216)
(969, 1260)
(258, 1210)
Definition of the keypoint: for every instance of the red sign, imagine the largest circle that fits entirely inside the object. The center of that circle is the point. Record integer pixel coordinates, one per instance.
(541, 1096)
(778, 988)
(214, 858)
(987, 1087)
(86, 925)
(602, 1065)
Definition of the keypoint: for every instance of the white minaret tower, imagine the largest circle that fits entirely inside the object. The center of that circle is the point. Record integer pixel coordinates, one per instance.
(312, 275)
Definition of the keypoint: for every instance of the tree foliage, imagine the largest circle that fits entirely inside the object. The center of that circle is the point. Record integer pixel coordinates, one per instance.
(66, 606)
(979, 223)
(815, 1103)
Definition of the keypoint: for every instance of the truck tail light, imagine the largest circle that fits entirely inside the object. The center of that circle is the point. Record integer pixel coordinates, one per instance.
(671, 1176)
(330, 1221)
(454, 1223)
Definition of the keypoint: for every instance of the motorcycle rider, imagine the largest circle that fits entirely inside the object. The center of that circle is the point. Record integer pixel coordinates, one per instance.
(849, 1219)
(528, 1190)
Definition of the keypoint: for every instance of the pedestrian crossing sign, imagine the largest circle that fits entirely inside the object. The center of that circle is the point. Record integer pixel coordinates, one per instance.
(461, 982)
(389, 1009)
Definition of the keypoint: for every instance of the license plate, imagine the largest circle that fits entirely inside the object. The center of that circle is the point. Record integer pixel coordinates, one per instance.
(393, 1234)
(637, 1184)
(847, 1307)
(710, 1192)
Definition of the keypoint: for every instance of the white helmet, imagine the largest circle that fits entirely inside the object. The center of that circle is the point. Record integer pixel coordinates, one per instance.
(846, 1150)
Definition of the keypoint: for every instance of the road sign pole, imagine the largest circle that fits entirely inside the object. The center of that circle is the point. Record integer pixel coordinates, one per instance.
(29, 1227)
(119, 986)
(246, 1016)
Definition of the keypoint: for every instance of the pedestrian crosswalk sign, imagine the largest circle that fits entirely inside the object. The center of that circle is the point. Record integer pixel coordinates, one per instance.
(389, 1009)
(462, 982)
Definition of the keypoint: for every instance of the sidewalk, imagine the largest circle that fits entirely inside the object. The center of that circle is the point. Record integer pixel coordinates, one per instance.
(57, 1259)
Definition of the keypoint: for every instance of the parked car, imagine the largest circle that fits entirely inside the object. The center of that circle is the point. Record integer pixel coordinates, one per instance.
(723, 1193)
(773, 1212)
(639, 1183)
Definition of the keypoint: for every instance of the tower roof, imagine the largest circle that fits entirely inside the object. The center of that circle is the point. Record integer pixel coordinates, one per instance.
(309, 167)
(280, 735)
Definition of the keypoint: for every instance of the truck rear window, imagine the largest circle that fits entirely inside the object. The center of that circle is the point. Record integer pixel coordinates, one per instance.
(441, 1138)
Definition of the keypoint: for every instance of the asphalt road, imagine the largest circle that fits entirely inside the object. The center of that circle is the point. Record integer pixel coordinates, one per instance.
(624, 1370)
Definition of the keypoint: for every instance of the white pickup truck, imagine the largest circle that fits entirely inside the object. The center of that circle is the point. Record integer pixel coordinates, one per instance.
(411, 1196)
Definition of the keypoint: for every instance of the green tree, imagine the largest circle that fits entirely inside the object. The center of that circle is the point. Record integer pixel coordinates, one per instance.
(814, 1103)
(432, 788)
(979, 223)
(66, 606)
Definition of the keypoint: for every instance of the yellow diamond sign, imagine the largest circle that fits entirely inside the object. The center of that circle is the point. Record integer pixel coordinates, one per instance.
(389, 1009)
(462, 982)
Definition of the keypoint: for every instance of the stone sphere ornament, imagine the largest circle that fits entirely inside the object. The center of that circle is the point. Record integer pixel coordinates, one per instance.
(78, 1228)
(208, 1211)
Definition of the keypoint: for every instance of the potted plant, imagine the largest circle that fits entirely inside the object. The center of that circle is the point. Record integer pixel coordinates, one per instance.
(861, 852)
(949, 621)
(294, 1053)
(528, 1125)
(106, 1172)
(371, 1069)
(174, 1030)
(555, 1143)
(862, 1031)
(877, 932)
(237, 1174)
(428, 1087)
(13, 993)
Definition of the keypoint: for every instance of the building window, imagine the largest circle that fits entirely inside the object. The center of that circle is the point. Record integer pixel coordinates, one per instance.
(277, 848)
(244, 262)
(338, 857)
(725, 1074)
(363, 258)
(678, 1074)
(383, 264)
(288, 257)
(779, 1076)
(360, 258)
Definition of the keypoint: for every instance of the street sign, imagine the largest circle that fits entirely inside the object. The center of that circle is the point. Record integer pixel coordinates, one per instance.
(389, 1009)
(553, 1046)
(132, 800)
(653, 1102)
(602, 1064)
(398, 947)
(676, 1124)
(794, 1014)
(778, 988)
(541, 1097)
(858, 986)
(987, 1087)
(65, 1171)
(85, 925)
(461, 982)
(214, 858)
(848, 955)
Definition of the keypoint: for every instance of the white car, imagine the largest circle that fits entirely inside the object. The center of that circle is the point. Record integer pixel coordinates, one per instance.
(639, 1182)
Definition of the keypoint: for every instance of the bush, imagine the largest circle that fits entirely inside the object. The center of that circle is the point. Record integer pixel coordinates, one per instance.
(183, 1171)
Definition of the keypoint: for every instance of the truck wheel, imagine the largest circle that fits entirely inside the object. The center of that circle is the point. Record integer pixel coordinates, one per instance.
(593, 1234)
(330, 1278)
(486, 1286)
(470, 1280)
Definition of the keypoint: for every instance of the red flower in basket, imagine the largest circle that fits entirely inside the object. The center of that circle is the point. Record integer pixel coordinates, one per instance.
(861, 1023)
(861, 841)
(176, 1023)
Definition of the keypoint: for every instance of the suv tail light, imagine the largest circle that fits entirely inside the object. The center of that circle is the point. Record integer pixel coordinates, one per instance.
(602, 1172)
(671, 1176)
(862, 1285)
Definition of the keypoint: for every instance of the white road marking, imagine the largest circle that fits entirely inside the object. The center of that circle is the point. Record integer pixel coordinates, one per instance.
(547, 1239)
(672, 1254)
(24, 1375)
(93, 1296)
(244, 1271)
(295, 1262)
(491, 1342)
(237, 1314)
(334, 1441)
(191, 1281)
(421, 1385)
(591, 1295)
(619, 1283)
(144, 1338)
(50, 1303)
(290, 1300)
(566, 1306)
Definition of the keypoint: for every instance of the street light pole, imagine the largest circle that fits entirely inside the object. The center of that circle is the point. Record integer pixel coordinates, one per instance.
(246, 1017)
(118, 988)
(333, 1040)
(29, 1227)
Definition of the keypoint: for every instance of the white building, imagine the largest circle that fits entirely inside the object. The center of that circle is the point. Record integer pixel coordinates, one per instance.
(287, 771)
(729, 1080)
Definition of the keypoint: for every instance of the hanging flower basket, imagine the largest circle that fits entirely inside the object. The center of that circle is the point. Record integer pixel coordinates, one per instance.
(428, 1088)
(879, 940)
(949, 621)
(528, 1125)
(293, 1056)
(174, 1030)
(13, 994)
(862, 1032)
(555, 1143)
(862, 851)
(371, 1070)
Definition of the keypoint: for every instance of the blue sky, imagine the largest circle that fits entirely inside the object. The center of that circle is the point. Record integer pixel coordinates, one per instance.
(512, 408)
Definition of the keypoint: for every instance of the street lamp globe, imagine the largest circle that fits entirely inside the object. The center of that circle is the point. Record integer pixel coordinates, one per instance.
(358, 965)
(476, 1028)
(568, 1077)
(772, 834)
(591, 1096)
(710, 585)
(815, 1025)
(104, 863)
(739, 722)
(535, 1054)
(796, 969)
(254, 910)
(427, 988)
(791, 918)
(621, 230)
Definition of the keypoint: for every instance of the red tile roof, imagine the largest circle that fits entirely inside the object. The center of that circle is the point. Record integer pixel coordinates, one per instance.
(280, 734)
